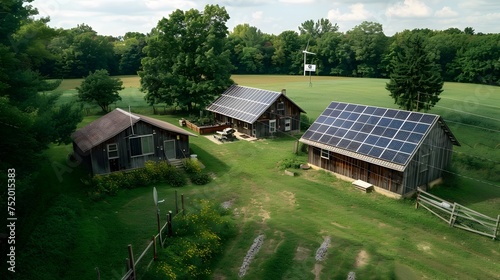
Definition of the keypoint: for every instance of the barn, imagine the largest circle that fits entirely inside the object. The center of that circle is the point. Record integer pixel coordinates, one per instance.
(121, 140)
(393, 150)
(257, 112)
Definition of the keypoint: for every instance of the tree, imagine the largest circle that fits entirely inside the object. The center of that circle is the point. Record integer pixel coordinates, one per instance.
(100, 88)
(187, 63)
(415, 81)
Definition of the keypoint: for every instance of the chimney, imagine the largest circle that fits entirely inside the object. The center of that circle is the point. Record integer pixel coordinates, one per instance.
(283, 91)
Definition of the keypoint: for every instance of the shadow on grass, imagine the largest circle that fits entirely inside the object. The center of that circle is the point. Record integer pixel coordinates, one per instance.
(211, 162)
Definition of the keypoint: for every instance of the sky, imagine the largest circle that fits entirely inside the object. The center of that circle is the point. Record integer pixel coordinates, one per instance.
(116, 17)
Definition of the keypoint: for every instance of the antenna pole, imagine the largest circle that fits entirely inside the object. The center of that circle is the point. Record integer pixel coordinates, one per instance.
(130, 116)
(305, 64)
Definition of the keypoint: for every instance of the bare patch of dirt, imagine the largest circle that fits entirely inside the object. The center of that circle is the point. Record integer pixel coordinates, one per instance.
(424, 247)
(301, 253)
(317, 271)
(362, 258)
(339, 225)
(289, 196)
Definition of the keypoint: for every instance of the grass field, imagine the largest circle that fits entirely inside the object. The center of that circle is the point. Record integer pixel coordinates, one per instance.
(374, 236)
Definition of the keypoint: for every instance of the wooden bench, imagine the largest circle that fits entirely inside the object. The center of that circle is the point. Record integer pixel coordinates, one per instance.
(363, 186)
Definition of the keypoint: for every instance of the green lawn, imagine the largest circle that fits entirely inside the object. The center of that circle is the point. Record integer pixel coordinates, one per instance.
(374, 236)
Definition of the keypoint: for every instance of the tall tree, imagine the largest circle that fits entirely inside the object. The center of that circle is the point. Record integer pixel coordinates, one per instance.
(100, 88)
(368, 44)
(186, 61)
(415, 80)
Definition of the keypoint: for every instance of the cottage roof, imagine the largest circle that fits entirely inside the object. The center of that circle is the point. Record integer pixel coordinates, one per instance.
(386, 137)
(245, 103)
(114, 123)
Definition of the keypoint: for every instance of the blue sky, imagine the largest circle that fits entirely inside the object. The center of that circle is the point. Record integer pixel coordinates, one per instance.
(115, 17)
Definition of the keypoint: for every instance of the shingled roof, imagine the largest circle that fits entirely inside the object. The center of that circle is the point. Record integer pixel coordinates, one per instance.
(114, 123)
(245, 103)
(383, 136)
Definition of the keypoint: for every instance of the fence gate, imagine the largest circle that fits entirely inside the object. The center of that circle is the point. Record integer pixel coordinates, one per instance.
(459, 216)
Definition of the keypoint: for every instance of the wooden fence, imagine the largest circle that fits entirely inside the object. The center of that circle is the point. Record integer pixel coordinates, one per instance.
(165, 230)
(459, 216)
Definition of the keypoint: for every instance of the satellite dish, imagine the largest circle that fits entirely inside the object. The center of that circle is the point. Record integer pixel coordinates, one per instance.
(155, 196)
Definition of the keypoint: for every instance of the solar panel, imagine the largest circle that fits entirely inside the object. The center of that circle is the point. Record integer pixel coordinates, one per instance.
(387, 134)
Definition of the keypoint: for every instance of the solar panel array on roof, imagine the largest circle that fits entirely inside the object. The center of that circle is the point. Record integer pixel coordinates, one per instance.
(387, 134)
(243, 103)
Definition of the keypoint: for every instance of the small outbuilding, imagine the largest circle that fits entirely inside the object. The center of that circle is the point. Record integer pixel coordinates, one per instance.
(396, 151)
(121, 140)
(257, 112)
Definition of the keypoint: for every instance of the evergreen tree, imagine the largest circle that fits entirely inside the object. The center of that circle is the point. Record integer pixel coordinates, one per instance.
(415, 80)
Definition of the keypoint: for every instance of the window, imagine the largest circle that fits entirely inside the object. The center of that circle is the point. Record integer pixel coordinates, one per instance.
(272, 126)
(281, 106)
(245, 125)
(141, 145)
(288, 124)
(113, 151)
(325, 154)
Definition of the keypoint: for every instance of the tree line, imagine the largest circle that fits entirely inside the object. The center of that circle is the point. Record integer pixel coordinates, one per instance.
(363, 51)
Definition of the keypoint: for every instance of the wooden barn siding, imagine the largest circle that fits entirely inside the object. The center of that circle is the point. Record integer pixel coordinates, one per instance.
(261, 126)
(439, 149)
(357, 169)
(99, 154)
(437, 145)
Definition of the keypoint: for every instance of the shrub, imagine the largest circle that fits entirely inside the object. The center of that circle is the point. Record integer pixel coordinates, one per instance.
(153, 172)
(289, 163)
(199, 237)
(192, 166)
(200, 178)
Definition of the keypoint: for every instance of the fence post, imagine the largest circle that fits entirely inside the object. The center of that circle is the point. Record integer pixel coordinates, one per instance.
(495, 232)
(176, 204)
(155, 256)
(182, 202)
(159, 223)
(452, 217)
(131, 261)
(169, 226)
(418, 196)
(98, 273)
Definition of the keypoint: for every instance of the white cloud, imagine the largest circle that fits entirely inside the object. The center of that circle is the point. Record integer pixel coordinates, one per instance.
(357, 13)
(446, 12)
(171, 4)
(409, 8)
(297, 1)
(257, 15)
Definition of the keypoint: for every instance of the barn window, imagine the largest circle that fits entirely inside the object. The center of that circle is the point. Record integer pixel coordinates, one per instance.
(141, 145)
(288, 124)
(272, 126)
(281, 107)
(325, 154)
(113, 151)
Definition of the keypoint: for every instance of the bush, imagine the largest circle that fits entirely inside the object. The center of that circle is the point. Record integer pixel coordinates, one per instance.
(289, 163)
(200, 178)
(192, 166)
(198, 239)
(152, 172)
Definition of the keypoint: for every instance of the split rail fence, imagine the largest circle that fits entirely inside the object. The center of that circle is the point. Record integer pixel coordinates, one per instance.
(132, 265)
(459, 216)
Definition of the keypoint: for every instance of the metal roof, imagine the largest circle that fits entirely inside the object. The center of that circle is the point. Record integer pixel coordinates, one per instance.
(113, 123)
(245, 103)
(386, 137)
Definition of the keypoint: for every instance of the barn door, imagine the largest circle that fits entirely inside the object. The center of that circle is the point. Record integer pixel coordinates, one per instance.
(169, 149)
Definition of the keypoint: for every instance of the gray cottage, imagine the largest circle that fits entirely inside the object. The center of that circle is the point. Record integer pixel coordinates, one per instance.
(257, 112)
(396, 151)
(121, 140)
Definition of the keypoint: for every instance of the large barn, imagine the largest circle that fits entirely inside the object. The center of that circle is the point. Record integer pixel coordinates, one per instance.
(396, 151)
(121, 140)
(257, 112)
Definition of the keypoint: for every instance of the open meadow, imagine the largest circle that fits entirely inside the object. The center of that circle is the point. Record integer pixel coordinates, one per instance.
(374, 236)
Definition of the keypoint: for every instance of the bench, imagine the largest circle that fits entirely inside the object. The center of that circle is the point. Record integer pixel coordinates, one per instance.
(363, 186)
